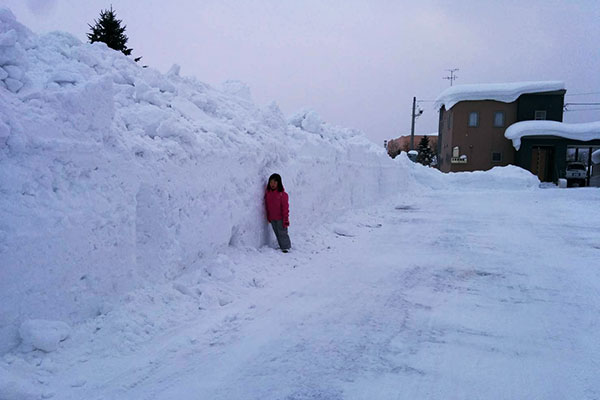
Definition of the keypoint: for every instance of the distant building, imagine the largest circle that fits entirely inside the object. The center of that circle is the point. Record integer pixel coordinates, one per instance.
(402, 143)
(474, 118)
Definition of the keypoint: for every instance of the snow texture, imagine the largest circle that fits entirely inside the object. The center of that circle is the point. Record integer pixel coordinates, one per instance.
(503, 92)
(43, 335)
(113, 176)
(583, 131)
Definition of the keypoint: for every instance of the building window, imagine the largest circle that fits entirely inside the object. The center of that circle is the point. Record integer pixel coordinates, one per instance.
(455, 151)
(496, 157)
(540, 114)
(474, 119)
(449, 120)
(499, 119)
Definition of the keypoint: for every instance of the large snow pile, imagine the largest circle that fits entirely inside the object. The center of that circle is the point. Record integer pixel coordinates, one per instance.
(583, 131)
(503, 92)
(113, 176)
(509, 177)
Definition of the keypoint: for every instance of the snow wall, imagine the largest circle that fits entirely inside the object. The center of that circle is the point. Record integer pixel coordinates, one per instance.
(113, 176)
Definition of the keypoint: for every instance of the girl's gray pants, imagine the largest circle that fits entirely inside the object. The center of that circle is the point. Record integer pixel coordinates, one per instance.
(281, 234)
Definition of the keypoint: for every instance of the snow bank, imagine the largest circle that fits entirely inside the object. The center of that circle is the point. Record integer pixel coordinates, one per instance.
(113, 176)
(584, 132)
(504, 92)
(498, 178)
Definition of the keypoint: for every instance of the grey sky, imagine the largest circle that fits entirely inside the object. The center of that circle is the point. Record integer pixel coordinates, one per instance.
(357, 63)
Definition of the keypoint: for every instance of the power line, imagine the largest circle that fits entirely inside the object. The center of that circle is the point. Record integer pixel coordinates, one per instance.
(584, 109)
(582, 104)
(581, 94)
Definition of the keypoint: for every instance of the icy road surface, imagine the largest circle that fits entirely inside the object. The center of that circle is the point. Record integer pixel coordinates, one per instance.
(446, 295)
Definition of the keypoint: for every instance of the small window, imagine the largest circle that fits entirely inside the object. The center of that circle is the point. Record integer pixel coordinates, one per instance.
(496, 157)
(499, 119)
(474, 119)
(449, 120)
(540, 114)
(455, 151)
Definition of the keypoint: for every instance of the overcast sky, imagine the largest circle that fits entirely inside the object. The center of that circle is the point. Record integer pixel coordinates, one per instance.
(357, 63)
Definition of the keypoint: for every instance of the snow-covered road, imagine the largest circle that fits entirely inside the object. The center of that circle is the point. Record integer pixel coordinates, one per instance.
(450, 294)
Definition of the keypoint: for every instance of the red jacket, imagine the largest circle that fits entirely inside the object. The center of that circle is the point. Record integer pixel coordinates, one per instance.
(278, 207)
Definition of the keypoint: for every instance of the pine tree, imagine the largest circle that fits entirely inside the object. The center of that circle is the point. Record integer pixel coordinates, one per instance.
(425, 155)
(108, 29)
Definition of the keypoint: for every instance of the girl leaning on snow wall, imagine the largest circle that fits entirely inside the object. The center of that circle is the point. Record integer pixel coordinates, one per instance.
(278, 211)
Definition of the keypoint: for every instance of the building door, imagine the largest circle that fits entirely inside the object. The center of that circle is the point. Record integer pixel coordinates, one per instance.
(541, 163)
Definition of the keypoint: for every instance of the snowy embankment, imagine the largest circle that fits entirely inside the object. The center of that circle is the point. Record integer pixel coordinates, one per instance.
(113, 176)
(508, 177)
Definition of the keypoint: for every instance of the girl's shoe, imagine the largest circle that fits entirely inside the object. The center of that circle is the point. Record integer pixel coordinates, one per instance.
(285, 250)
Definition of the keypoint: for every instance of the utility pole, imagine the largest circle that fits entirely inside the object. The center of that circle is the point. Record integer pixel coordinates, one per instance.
(412, 125)
(452, 77)
(414, 114)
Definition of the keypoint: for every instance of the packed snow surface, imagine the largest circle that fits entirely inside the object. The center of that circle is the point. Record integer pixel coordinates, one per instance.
(503, 92)
(447, 293)
(113, 176)
(583, 131)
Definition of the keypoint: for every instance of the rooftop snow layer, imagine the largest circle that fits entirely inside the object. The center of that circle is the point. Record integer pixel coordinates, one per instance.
(504, 92)
(585, 132)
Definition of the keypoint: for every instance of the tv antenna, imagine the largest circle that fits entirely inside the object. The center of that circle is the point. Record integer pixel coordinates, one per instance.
(452, 76)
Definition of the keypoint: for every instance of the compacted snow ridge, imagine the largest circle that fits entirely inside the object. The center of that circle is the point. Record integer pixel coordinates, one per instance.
(582, 131)
(114, 176)
(503, 92)
(136, 262)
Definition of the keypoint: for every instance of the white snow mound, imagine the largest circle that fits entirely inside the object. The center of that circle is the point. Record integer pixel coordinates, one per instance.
(509, 177)
(43, 335)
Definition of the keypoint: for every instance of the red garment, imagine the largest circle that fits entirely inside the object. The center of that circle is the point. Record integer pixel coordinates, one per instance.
(278, 207)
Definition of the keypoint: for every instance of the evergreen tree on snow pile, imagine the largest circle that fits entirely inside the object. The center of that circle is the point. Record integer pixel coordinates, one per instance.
(425, 155)
(108, 29)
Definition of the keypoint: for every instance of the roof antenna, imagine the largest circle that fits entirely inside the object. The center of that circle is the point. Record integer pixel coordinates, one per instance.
(452, 77)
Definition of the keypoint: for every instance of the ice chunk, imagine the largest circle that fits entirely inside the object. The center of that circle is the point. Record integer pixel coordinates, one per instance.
(312, 122)
(43, 334)
(14, 72)
(9, 38)
(174, 70)
(13, 85)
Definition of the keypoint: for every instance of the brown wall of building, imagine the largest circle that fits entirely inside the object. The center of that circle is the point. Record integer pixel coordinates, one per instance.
(477, 143)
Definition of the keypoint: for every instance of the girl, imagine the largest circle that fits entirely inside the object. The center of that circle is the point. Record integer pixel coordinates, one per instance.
(278, 211)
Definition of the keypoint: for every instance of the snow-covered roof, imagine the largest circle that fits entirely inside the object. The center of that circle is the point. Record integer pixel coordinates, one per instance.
(504, 92)
(586, 131)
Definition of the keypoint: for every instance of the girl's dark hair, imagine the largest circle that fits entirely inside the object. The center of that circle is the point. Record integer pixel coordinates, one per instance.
(276, 178)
